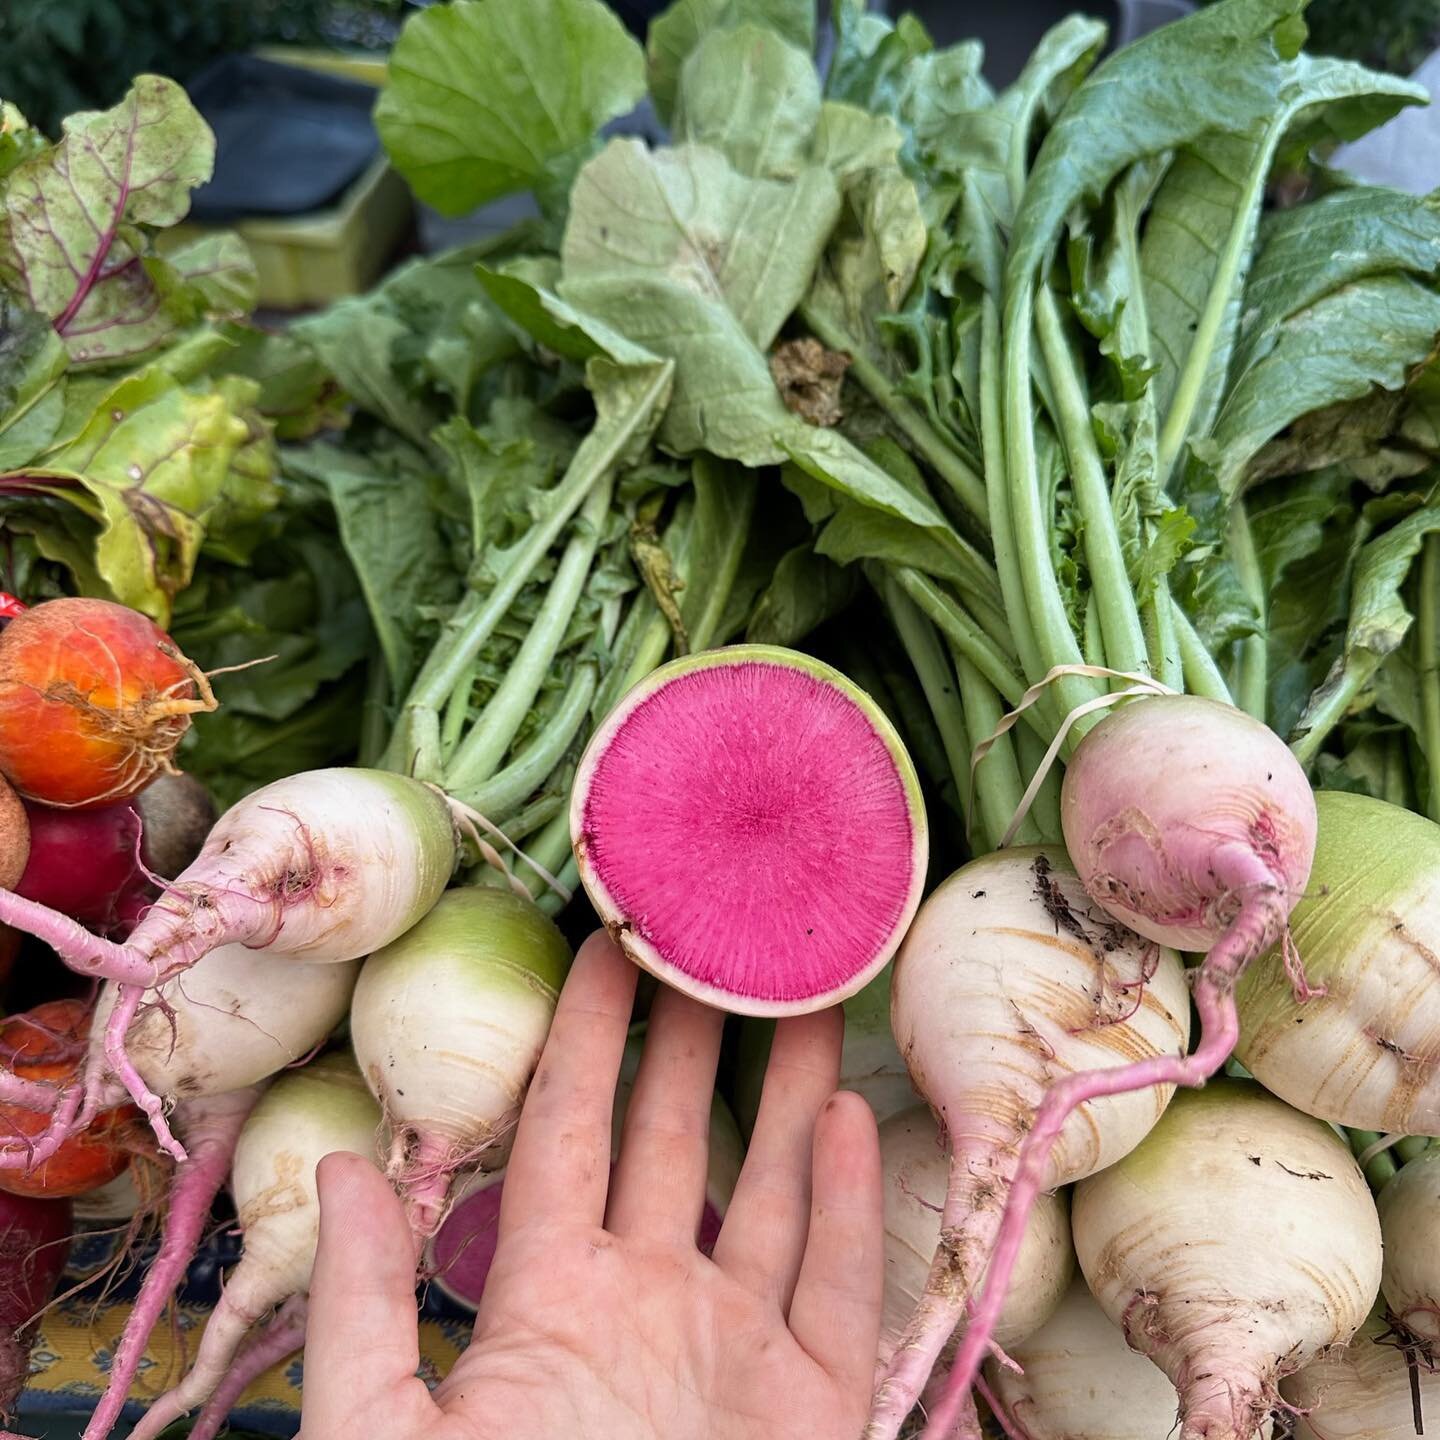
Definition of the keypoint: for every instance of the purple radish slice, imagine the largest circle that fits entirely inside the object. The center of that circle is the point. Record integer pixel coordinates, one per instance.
(750, 829)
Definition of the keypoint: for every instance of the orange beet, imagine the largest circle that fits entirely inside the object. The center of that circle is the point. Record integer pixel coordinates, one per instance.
(94, 698)
(48, 1043)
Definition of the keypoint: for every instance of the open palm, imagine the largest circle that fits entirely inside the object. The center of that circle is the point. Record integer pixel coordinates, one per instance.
(601, 1319)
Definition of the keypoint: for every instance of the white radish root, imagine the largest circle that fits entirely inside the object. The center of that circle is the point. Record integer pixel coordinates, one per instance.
(1357, 1040)
(235, 1017)
(1231, 1247)
(1365, 1390)
(448, 1023)
(1410, 1224)
(304, 1116)
(211, 1129)
(915, 1165)
(1081, 1381)
(1009, 980)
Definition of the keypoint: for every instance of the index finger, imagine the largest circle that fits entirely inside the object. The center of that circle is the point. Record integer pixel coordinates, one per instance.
(560, 1166)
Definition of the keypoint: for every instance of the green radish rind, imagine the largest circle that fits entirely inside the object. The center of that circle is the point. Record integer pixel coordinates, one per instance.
(640, 950)
(1366, 1053)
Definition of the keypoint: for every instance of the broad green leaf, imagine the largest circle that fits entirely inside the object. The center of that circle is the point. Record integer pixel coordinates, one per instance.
(1360, 434)
(858, 532)
(751, 96)
(1234, 57)
(487, 97)
(1306, 539)
(72, 240)
(355, 339)
(849, 140)
(684, 219)
(707, 565)
(300, 603)
(456, 334)
(985, 144)
(524, 290)
(695, 262)
(32, 362)
(1200, 238)
(1378, 622)
(1309, 250)
(413, 349)
(150, 466)
(827, 456)
(688, 258)
(1365, 334)
(297, 394)
(805, 590)
(235, 753)
(220, 272)
(676, 32)
(19, 140)
(390, 532)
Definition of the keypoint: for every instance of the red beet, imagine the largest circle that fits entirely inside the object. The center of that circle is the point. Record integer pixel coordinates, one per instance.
(83, 862)
(34, 1241)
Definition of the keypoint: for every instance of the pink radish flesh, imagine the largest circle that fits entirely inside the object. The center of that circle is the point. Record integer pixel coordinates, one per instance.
(1193, 824)
(750, 829)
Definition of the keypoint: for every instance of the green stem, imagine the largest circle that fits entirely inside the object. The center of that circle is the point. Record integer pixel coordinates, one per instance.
(1252, 677)
(1333, 708)
(540, 811)
(1055, 641)
(1163, 644)
(999, 787)
(1427, 639)
(966, 636)
(1410, 1148)
(1207, 330)
(937, 680)
(1380, 1169)
(1045, 811)
(374, 722)
(499, 794)
(457, 710)
(1002, 536)
(940, 453)
(550, 848)
(1109, 578)
(476, 617)
(1093, 642)
(490, 737)
(1202, 675)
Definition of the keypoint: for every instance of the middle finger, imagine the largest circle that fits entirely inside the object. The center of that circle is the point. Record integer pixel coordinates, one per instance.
(658, 1188)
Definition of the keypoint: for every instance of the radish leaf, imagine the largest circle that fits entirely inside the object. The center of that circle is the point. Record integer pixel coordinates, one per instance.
(488, 97)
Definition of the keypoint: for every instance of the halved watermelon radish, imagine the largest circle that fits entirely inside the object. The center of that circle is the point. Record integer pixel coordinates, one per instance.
(750, 829)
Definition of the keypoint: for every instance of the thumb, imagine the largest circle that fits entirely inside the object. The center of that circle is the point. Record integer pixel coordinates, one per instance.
(363, 1334)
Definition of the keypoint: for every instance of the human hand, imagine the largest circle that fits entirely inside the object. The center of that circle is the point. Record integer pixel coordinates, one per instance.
(601, 1320)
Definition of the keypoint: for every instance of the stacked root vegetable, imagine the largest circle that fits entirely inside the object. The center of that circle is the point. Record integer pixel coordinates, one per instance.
(1106, 417)
(226, 955)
